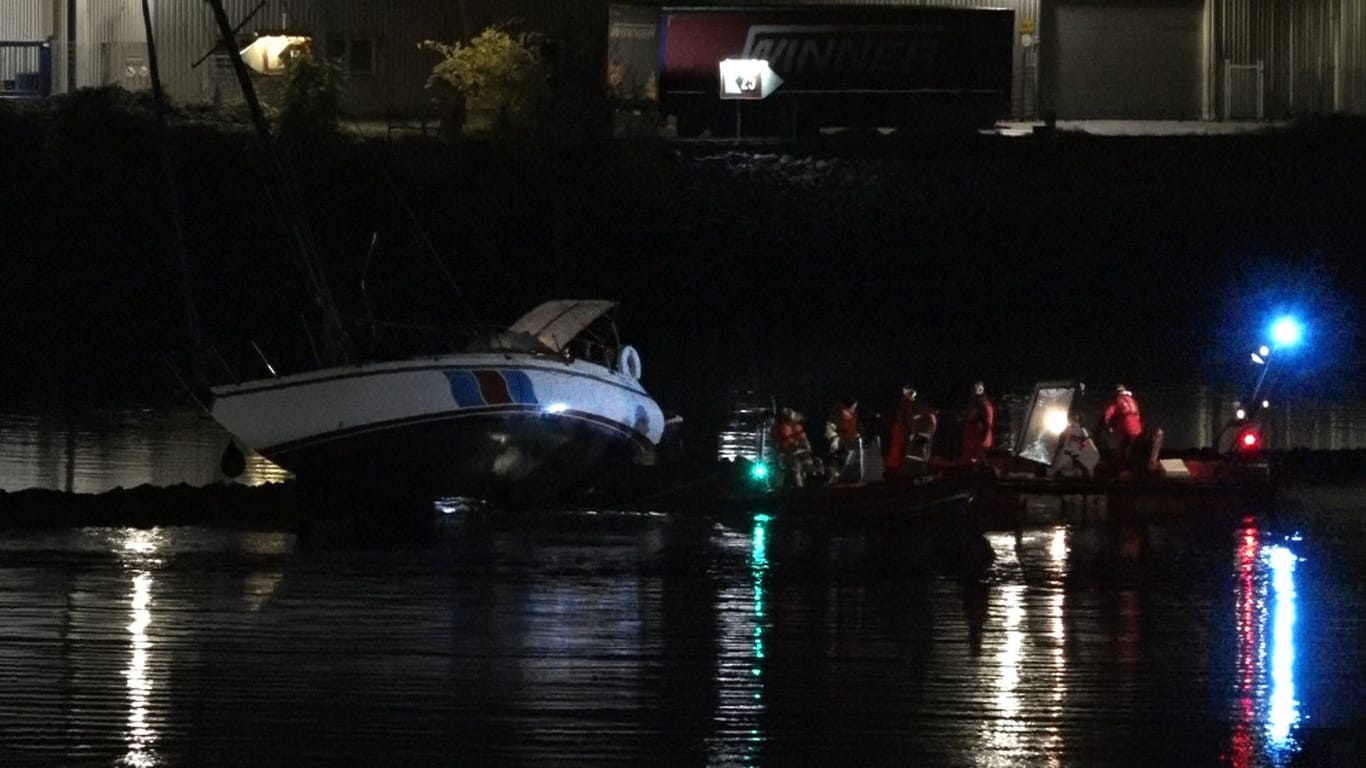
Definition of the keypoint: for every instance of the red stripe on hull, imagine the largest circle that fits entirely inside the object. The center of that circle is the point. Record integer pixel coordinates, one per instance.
(493, 387)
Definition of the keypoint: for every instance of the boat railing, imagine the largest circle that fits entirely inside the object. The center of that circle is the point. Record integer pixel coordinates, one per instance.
(398, 341)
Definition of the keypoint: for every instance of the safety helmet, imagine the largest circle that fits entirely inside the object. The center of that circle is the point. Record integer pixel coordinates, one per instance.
(788, 413)
(907, 389)
(978, 388)
(1120, 389)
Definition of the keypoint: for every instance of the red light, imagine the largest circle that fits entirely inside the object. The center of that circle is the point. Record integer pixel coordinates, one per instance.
(1249, 439)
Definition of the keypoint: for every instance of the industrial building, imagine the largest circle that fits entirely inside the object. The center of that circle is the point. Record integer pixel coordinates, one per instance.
(1074, 59)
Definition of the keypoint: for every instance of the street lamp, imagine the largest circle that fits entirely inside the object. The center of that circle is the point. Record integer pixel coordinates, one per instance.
(1285, 332)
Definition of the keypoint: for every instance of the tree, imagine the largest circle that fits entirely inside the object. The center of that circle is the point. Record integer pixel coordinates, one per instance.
(494, 73)
(314, 96)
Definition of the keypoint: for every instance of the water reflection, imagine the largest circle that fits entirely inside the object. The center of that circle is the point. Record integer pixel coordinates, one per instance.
(1284, 711)
(1267, 710)
(739, 676)
(1053, 742)
(138, 553)
(99, 451)
(685, 643)
(1004, 729)
(1246, 622)
(758, 566)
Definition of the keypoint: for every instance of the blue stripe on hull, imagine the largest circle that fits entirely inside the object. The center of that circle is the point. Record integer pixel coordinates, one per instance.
(465, 388)
(519, 385)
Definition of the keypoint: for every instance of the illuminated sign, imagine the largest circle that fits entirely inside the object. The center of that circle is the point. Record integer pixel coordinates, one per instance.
(747, 79)
(268, 54)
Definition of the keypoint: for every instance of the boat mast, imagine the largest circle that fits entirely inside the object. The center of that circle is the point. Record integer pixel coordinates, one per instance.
(337, 348)
(173, 198)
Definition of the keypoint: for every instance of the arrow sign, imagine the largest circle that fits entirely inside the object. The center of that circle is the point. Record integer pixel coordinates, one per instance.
(748, 79)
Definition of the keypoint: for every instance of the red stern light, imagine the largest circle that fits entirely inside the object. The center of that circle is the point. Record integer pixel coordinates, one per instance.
(1248, 440)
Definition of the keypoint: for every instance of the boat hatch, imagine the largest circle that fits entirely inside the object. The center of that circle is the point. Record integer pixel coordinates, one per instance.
(556, 323)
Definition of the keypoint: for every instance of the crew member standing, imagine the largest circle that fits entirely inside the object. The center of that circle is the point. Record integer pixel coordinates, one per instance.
(912, 432)
(978, 421)
(794, 450)
(900, 432)
(842, 430)
(924, 422)
(1122, 417)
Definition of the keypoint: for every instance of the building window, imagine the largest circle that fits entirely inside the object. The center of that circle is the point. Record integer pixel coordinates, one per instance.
(356, 54)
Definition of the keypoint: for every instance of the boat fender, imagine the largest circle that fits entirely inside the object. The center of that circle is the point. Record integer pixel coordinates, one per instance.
(629, 361)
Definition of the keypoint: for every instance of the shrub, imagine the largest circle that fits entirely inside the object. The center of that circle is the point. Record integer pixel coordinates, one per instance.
(493, 73)
(314, 96)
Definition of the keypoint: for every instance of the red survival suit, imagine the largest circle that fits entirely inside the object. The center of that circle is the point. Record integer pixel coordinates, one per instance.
(913, 425)
(842, 430)
(1122, 416)
(794, 450)
(977, 427)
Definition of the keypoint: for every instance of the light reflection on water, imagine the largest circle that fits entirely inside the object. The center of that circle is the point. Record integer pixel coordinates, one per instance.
(740, 670)
(103, 450)
(1265, 622)
(1053, 739)
(1029, 687)
(1284, 714)
(138, 552)
(523, 644)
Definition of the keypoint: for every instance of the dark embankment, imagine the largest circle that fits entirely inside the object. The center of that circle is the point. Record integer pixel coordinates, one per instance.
(273, 507)
(846, 265)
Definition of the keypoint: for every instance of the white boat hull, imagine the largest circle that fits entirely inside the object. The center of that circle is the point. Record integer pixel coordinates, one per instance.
(494, 425)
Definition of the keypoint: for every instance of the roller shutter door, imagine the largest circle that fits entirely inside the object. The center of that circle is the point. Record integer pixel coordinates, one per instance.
(1128, 60)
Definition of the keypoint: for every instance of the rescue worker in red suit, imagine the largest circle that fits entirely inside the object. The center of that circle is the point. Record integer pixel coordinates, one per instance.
(896, 438)
(978, 421)
(842, 430)
(794, 449)
(912, 430)
(1122, 417)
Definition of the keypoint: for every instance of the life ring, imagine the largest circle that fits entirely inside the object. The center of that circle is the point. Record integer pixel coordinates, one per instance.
(629, 361)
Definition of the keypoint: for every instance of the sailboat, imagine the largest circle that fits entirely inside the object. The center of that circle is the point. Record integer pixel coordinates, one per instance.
(529, 412)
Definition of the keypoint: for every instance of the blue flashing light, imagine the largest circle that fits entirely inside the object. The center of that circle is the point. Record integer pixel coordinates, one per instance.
(1286, 332)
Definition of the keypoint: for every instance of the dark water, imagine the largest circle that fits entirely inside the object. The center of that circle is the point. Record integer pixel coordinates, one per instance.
(578, 638)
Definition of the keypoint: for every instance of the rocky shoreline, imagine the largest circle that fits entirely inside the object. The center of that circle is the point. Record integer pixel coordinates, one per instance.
(268, 506)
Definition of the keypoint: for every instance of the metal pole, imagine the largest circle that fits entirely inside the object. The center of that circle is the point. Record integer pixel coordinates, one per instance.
(337, 344)
(173, 199)
(239, 67)
(70, 46)
(1257, 389)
